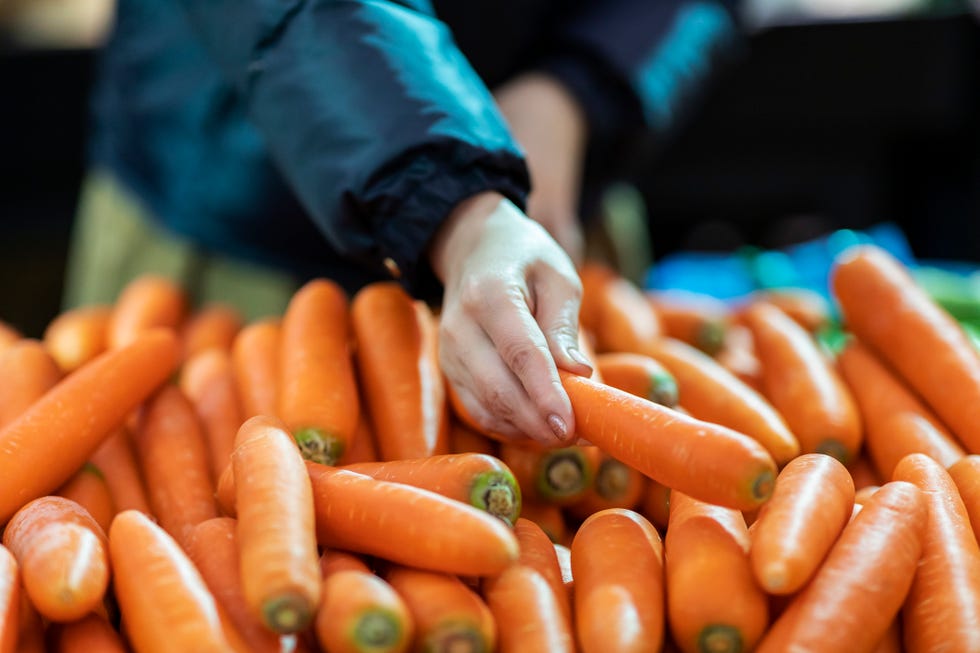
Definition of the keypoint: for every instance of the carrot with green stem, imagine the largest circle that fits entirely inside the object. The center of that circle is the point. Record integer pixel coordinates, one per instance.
(795, 529)
(713, 601)
(854, 597)
(318, 398)
(942, 609)
(88, 488)
(803, 386)
(618, 565)
(77, 335)
(712, 393)
(147, 302)
(62, 553)
(407, 525)
(884, 307)
(896, 422)
(638, 374)
(214, 325)
(255, 364)
(479, 480)
(116, 460)
(76, 415)
(560, 476)
(698, 319)
(965, 472)
(207, 378)
(361, 613)
(614, 485)
(706, 460)
(398, 364)
(28, 371)
(10, 598)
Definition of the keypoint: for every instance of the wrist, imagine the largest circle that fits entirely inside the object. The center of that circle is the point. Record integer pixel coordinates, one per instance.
(460, 233)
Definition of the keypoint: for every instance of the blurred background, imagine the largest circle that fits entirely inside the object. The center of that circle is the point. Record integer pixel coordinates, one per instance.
(854, 115)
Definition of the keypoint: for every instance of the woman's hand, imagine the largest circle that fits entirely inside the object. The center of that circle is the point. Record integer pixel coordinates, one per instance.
(509, 319)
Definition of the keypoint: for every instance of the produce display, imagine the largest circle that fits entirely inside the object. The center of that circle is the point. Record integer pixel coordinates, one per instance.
(178, 479)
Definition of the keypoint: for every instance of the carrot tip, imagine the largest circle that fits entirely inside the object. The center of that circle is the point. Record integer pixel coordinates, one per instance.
(288, 613)
(764, 484)
(565, 474)
(719, 638)
(663, 390)
(498, 494)
(835, 449)
(456, 638)
(711, 336)
(318, 446)
(377, 631)
(773, 577)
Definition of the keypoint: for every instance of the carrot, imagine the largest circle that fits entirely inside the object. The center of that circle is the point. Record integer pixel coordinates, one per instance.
(802, 385)
(627, 321)
(891, 642)
(363, 447)
(317, 393)
(88, 488)
(942, 609)
(614, 485)
(855, 595)
(801, 521)
(75, 416)
(638, 374)
(164, 602)
(537, 551)
(8, 335)
(618, 566)
(147, 302)
(10, 598)
(174, 461)
(698, 319)
(62, 555)
(560, 476)
(863, 473)
(362, 613)
(117, 462)
(398, 362)
(708, 461)
(213, 325)
(564, 555)
(32, 628)
(527, 612)
(965, 472)
(28, 371)
(713, 601)
(549, 517)
(255, 363)
(807, 308)
(655, 504)
(712, 393)
(91, 634)
(884, 307)
(334, 560)
(738, 356)
(482, 481)
(407, 525)
(862, 496)
(896, 422)
(594, 275)
(207, 378)
(77, 335)
(449, 617)
(463, 439)
(213, 548)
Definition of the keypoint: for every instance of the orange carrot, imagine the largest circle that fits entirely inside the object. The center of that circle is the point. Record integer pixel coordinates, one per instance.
(10, 598)
(942, 609)
(627, 321)
(213, 548)
(801, 521)
(88, 488)
(174, 461)
(212, 325)
(863, 473)
(117, 462)
(655, 504)
(255, 362)
(550, 518)
(618, 566)
(892, 640)
(896, 318)
(8, 335)
(855, 595)
(463, 439)
(407, 525)
(738, 356)
(75, 416)
(638, 374)
(713, 601)
(559, 476)
(698, 319)
(802, 385)
(32, 629)
(449, 617)
(363, 447)
(334, 560)
(965, 472)
(62, 555)
(712, 393)
(479, 480)
(805, 307)
(91, 634)
(362, 613)
(28, 371)
(537, 551)
(147, 302)
(896, 422)
(165, 604)
(317, 392)
(614, 485)
(527, 612)
(77, 335)
(276, 535)
(208, 380)
(707, 461)
(862, 496)
(398, 362)
(594, 275)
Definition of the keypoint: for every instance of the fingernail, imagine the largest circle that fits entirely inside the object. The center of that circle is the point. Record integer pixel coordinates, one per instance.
(558, 427)
(579, 357)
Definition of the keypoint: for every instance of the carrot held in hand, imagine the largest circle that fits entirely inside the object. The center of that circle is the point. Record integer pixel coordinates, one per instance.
(77, 335)
(255, 363)
(28, 371)
(75, 416)
(705, 460)
(276, 535)
(147, 302)
(10, 599)
(801, 521)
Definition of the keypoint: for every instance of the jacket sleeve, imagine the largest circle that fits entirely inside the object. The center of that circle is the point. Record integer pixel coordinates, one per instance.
(372, 114)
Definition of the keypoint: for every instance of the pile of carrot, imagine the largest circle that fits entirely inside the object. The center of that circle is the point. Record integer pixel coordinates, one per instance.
(179, 479)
